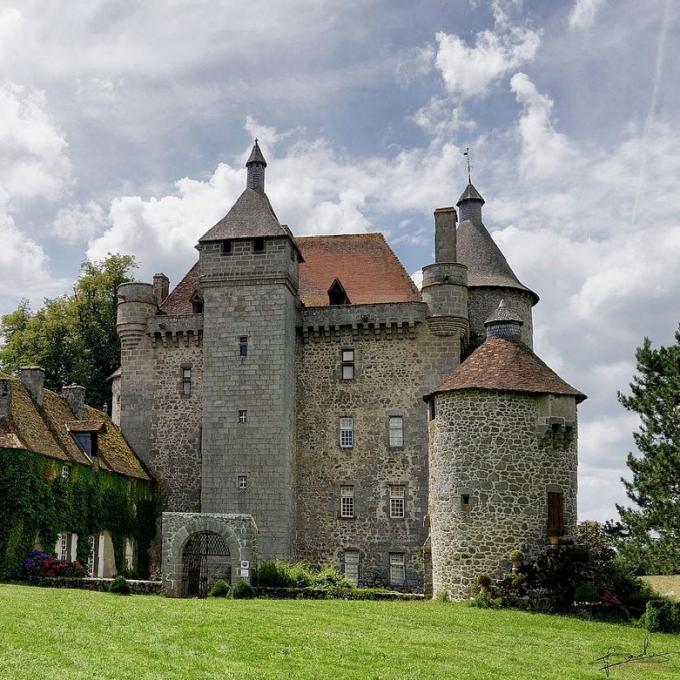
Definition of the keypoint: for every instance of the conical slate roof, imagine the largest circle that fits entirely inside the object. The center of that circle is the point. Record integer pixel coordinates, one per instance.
(256, 156)
(486, 263)
(470, 193)
(503, 313)
(505, 365)
(252, 216)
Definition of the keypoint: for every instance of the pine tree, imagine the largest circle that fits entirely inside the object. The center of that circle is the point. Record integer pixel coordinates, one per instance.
(650, 533)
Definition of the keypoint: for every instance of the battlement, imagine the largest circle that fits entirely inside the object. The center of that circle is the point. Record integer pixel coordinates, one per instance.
(176, 330)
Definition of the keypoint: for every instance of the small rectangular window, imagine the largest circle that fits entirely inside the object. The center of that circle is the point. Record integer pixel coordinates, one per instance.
(397, 501)
(348, 364)
(186, 382)
(242, 482)
(352, 567)
(243, 346)
(258, 245)
(465, 501)
(346, 501)
(227, 248)
(63, 548)
(397, 569)
(346, 433)
(65, 471)
(243, 416)
(396, 431)
(431, 409)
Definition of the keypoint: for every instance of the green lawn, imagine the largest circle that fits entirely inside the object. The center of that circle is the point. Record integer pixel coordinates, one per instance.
(64, 634)
(666, 585)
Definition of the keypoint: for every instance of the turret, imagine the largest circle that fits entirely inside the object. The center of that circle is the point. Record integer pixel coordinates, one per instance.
(256, 165)
(136, 303)
(502, 459)
(444, 286)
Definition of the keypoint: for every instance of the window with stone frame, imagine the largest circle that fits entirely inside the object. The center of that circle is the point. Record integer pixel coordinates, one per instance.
(258, 245)
(186, 381)
(243, 345)
(347, 501)
(352, 566)
(243, 416)
(347, 359)
(242, 482)
(396, 432)
(346, 433)
(227, 248)
(397, 501)
(397, 569)
(555, 513)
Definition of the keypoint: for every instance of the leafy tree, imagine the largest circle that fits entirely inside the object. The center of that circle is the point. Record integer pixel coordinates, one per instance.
(649, 534)
(73, 337)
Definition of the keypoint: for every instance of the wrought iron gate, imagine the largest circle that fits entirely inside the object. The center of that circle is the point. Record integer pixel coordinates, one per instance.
(206, 558)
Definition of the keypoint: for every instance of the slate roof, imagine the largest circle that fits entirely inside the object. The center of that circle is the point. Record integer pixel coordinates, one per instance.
(252, 216)
(486, 263)
(256, 156)
(45, 430)
(470, 193)
(504, 313)
(365, 265)
(502, 364)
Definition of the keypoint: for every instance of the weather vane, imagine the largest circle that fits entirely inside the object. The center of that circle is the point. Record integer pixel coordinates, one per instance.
(466, 153)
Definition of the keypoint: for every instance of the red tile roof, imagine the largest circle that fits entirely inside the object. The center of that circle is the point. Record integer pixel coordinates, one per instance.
(365, 265)
(501, 364)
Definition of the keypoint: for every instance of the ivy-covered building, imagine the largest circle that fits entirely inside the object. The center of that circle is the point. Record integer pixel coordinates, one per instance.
(69, 482)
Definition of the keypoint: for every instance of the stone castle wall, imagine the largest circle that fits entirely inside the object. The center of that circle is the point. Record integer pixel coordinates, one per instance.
(392, 372)
(490, 446)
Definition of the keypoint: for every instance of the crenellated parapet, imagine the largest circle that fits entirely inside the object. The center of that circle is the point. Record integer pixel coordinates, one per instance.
(136, 304)
(182, 330)
(389, 321)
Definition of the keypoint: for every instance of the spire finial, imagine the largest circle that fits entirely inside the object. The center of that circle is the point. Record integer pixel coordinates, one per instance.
(466, 153)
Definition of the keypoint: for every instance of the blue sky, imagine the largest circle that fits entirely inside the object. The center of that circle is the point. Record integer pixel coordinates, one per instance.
(124, 127)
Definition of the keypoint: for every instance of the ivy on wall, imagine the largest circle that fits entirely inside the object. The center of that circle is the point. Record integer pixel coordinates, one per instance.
(37, 503)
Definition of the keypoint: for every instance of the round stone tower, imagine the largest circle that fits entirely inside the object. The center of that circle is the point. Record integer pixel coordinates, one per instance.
(136, 303)
(502, 458)
(490, 277)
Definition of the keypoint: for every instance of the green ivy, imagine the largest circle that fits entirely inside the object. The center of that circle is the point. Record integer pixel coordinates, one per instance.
(36, 501)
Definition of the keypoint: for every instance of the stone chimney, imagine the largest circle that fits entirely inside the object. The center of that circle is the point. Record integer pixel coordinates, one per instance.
(33, 378)
(445, 235)
(75, 396)
(161, 287)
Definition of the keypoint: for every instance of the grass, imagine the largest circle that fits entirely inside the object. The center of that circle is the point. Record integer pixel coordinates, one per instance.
(666, 585)
(53, 633)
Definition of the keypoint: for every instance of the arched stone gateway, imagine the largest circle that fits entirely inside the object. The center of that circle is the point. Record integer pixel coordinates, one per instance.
(200, 548)
(205, 559)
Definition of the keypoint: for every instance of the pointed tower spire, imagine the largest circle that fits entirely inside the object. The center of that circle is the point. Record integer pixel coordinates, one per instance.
(256, 165)
(470, 205)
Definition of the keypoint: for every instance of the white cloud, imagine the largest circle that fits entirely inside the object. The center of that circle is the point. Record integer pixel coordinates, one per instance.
(583, 12)
(440, 119)
(470, 70)
(79, 222)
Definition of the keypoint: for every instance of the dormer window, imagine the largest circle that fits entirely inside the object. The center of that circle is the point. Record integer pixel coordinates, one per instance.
(337, 294)
(86, 433)
(197, 303)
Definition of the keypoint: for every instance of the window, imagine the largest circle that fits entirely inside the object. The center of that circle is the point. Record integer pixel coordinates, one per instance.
(226, 248)
(555, 513)
(465, 502)
(91, 555)
(397, 501)
(352, 567)
(346, 501)
(397, 569)
(431, 409)
(396, 431)
(186, 382)
(337, 295)
(243, 346)
(258, 245)
(87, 442)
(65, 471)
(63, 547)
(347, 356)
(243, 416)
(242, 482)
(346, 433)
(197, 306)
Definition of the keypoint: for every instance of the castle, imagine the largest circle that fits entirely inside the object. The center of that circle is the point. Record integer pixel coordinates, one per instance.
(300, 398)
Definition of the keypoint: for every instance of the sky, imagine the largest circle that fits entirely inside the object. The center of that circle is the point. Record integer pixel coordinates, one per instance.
(124, 127)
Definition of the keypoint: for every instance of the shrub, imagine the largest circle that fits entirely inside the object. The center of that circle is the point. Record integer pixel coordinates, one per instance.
(119, 586)
(516, 555)
(219, 589)
(483, 581)
(243, 591)
(330, 577)
(662, 616)
(279, 574)
(39, 564)
(586, 592)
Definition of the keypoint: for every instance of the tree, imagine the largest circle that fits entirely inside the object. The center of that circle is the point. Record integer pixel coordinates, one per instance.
(73, 337)
(649, 534)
